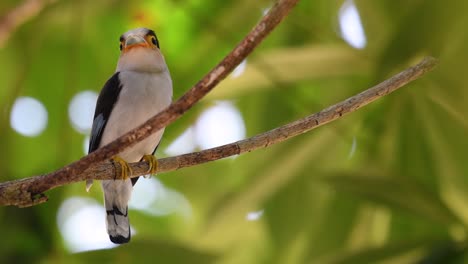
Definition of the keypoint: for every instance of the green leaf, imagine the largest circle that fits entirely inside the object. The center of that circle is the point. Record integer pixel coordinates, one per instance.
(143, 251)
(396, 193)
(396, 252)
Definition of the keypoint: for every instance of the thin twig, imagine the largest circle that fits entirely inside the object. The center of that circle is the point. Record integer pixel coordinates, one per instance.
(107, 171)
(31, 194)
(12, 193)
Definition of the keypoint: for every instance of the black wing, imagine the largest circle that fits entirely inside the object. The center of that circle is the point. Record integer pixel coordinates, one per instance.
(105, 103)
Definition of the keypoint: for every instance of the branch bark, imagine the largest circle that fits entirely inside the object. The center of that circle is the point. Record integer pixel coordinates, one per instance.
(29, 193)
(13, 193)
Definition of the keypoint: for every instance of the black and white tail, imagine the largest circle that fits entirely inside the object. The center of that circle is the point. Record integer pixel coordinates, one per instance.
(116, 196)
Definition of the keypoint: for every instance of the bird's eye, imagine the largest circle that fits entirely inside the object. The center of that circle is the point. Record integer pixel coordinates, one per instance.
(121, 46)
(153, 40)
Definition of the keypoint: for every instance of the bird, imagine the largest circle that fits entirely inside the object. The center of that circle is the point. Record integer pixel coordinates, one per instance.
(140, 88)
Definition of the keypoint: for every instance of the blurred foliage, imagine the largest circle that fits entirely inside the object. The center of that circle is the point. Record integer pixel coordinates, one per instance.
(400, 197)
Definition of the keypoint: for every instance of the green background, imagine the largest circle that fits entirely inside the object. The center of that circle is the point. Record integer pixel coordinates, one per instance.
(402, 197)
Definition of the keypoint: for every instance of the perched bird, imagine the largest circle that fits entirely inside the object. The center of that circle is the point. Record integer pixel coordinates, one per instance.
(140, 88)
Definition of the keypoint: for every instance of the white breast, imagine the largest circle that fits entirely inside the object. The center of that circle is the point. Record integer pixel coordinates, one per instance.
(143, 95)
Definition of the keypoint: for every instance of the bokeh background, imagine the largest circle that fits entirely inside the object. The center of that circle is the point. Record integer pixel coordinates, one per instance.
(386, 184)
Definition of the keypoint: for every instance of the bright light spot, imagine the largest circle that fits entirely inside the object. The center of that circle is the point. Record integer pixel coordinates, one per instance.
(353, 148)
(351, 26)
(86, 145)
(81, 222)
(218, 125)
(152, 197)
(81, 110)
(28, 116)
(239, 69)
(265, 10)
(185, 143)
(253, 216)
(144, 193)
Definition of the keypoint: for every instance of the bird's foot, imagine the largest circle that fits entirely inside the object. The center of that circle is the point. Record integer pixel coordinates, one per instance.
(125, 170)
(153, 165)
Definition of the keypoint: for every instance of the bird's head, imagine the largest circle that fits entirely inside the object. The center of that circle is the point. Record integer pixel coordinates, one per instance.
(140, 52)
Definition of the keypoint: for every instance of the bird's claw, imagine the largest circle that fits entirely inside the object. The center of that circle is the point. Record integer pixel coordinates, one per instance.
(125, 170)
(152, 163)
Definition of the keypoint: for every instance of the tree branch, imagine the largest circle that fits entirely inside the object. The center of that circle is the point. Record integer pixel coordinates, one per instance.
(29, 193)
(12, 193)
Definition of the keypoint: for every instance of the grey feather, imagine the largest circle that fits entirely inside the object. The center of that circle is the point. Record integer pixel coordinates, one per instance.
(98, 126)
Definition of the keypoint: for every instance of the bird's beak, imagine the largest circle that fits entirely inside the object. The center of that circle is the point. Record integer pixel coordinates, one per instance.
(133, 41)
